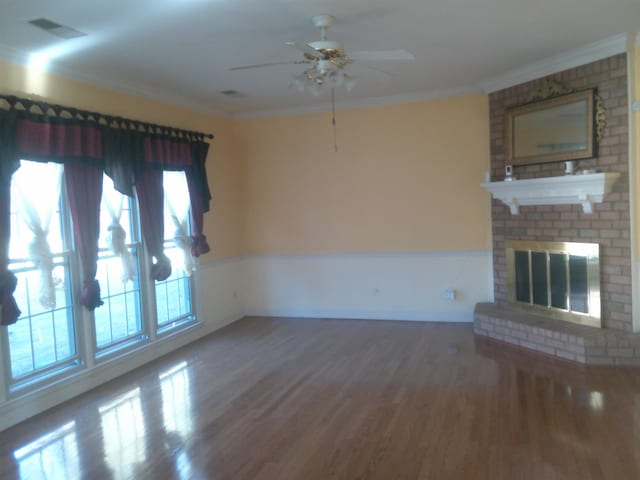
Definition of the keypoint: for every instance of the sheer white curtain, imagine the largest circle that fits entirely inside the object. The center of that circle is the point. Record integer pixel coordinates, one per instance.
(38, 195)
(176, 195)
(116, 238)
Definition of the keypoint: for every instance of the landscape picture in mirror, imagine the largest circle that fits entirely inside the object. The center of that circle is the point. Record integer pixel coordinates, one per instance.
(554, 130)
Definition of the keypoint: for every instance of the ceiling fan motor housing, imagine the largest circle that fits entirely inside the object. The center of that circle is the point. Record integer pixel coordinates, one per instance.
(329, 49)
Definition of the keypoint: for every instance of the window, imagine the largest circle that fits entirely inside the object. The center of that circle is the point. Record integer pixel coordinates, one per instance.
(119, 321)
(43, 341)
(173, 296)
(55, 335)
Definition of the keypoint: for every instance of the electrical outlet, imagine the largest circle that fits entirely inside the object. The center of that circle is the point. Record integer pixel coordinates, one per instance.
(449, 294)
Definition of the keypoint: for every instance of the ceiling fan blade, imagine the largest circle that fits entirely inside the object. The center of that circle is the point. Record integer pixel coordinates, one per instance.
(373, 55)
(306, 48)
(385, 75)
(260, 65)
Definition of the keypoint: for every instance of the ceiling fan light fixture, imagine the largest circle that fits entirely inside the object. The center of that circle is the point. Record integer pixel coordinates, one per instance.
(336, 79)
(315, 89)
(300, 82)
(349, 82)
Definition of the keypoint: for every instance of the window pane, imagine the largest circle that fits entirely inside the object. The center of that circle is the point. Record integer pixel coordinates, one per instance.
(120, 318)
(114, 208)
(43, 340)
(177, 196)
(173, 296)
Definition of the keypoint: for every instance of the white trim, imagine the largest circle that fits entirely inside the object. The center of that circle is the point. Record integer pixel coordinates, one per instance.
(361, 255)
(391, 315)
(633, 192)
(584, 190)
(580, 56)
(359, 103)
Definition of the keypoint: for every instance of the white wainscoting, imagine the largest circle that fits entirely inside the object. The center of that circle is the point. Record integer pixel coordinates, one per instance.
(217, 307)
(387, 286)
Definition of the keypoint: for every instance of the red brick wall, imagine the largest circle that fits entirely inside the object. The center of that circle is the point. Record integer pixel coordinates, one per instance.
(609, 224)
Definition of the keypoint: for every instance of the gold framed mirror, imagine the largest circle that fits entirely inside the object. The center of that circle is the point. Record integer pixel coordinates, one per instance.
(554, 130)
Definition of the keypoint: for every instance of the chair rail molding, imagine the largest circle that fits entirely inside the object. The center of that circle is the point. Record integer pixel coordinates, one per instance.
(581, 189)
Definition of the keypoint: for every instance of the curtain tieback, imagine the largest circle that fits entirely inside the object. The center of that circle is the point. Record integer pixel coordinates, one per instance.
(116, 239)
(40, 254)
(40, 251)
(90, 296)
(161, 270)
(199, 245)
(10, 310)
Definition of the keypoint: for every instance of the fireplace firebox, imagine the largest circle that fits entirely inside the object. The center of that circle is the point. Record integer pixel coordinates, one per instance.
(557, 279)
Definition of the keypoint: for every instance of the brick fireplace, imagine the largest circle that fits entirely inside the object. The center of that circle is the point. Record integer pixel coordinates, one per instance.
(608, 226)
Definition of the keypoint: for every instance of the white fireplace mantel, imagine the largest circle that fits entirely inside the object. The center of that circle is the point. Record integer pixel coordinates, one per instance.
(583, 189)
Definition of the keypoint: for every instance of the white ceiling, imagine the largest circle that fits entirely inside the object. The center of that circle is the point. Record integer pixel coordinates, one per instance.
(181, 50)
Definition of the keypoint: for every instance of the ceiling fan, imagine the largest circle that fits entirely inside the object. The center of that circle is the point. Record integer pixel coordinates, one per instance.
(328, 59)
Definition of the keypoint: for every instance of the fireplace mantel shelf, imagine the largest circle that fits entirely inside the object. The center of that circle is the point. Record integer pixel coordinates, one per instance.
(581, 189)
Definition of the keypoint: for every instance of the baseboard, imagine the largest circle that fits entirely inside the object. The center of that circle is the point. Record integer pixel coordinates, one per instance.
(398, 315)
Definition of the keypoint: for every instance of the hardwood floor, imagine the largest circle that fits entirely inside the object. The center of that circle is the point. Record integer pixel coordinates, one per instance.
(335, 399)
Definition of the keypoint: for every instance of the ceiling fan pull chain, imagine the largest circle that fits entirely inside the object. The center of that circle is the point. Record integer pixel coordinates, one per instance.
(333, 121)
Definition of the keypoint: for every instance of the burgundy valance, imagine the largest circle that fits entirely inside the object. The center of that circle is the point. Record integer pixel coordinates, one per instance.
(57, 141)
(169, 153)
(130, 152)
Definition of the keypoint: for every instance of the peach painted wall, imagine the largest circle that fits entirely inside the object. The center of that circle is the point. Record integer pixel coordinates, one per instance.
(223, 225)
(406, 178)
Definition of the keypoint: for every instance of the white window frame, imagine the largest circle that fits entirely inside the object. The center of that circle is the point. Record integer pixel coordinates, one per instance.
(88, 355)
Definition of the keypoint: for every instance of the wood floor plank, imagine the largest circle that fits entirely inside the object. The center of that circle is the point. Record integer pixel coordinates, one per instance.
(276, 398)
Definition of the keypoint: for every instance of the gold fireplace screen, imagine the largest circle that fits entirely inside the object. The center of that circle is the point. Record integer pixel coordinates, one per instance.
(557, 279)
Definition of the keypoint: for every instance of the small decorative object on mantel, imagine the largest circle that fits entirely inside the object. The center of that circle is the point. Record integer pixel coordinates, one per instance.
(568, 167)
(558, 124)
(508, 173)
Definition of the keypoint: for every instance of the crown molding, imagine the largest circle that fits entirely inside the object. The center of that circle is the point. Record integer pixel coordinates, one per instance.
(158, 95)
(359, 103)
(574, 58)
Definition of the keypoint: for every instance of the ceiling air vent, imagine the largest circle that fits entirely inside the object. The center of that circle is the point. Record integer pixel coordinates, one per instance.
(56, 29)
(233, 94)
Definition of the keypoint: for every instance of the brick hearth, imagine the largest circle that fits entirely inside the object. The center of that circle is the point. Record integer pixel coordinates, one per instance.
(593, 346)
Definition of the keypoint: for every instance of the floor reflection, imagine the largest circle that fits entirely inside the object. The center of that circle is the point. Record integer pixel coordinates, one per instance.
(123, 430)
(176, 400)
(51, 456)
